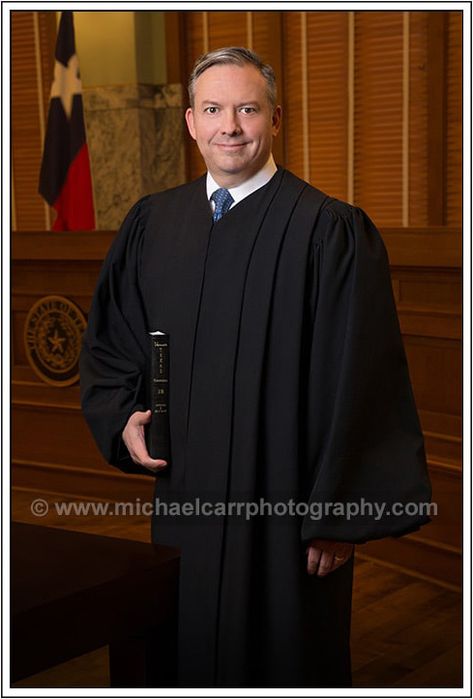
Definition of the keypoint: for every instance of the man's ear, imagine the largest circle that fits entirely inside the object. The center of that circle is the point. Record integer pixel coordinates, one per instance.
(276, 119)
(190, 122)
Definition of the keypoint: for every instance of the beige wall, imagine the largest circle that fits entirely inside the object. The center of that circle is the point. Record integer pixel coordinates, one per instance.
(120, 48)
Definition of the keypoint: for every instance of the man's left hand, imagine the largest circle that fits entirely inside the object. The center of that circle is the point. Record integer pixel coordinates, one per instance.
(324, 556)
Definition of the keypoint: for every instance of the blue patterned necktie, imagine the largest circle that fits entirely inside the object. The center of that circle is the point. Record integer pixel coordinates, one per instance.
(223, 201)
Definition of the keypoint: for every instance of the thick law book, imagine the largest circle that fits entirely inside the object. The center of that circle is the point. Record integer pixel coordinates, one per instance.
(158, 431)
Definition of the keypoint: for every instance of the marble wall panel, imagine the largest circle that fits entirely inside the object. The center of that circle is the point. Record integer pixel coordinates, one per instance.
(135, 137)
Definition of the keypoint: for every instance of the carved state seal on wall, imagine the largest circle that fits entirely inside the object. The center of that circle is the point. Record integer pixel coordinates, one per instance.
(53, 335)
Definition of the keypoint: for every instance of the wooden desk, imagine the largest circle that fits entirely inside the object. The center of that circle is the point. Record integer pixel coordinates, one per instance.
(72, 593)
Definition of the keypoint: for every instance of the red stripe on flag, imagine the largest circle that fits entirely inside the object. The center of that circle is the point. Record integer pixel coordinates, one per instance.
(75, 204)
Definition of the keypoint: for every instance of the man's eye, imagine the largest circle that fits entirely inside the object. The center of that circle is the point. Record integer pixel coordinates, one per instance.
(211, 110)
(248, 110)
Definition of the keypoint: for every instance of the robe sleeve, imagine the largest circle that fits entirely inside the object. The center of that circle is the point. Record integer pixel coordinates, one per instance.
(365, 448)
(114, 356)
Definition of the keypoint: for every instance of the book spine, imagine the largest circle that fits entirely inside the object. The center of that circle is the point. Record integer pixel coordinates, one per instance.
(158, 435)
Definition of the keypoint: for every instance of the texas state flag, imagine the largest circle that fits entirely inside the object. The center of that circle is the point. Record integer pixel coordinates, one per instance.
(65, 181)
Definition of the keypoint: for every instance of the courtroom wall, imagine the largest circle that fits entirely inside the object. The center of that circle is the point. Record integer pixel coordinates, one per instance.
(372, 107)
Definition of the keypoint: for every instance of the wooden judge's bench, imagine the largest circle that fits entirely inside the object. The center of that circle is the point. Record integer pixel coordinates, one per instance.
(52, 446)
(53, 450)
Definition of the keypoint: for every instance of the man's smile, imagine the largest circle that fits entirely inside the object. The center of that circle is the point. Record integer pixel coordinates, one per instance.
(231, 146)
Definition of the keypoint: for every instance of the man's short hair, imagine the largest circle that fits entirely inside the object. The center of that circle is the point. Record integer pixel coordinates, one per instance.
(235, 55)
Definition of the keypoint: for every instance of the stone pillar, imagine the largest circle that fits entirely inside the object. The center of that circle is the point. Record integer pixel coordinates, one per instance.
(134, 119)
(135, 137)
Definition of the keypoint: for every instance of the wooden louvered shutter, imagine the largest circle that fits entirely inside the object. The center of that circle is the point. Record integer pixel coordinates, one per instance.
(264, 31)
(454, 119)
(378, 115)
(29, 207)
(195, 47)
(419, 74)
(226, 29)
(266, 39)
(327, 67)
(386, 165)
(293, 92)
(26, 134)
(315, 60)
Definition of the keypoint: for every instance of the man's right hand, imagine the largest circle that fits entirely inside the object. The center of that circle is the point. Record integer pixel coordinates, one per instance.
(134, 437)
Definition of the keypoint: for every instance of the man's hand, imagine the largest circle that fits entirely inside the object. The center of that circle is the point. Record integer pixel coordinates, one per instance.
(134, 437)
(324, 556)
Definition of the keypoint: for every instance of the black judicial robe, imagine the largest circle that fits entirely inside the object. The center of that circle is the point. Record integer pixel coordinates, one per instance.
(288, 380)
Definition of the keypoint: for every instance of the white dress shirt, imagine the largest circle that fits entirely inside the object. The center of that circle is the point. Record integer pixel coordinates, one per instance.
(243, 190)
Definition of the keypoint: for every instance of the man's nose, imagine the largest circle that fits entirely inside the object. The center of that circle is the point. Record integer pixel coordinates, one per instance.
(230, 123)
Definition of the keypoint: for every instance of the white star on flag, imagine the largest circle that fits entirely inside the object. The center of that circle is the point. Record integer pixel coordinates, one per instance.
(66, 83)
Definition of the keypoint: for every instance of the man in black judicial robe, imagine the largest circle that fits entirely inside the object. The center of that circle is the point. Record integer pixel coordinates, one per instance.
(288, 383)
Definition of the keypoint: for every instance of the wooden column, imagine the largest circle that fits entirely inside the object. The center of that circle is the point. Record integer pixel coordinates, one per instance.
(175, 56)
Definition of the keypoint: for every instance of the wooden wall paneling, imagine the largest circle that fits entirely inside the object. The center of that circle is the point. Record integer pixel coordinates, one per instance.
(429, 306)
(429, 302)
(292, 103)
(71, 277)
(22, 302)
(61, 245)
(194, 37)
(445, 448)
(420, 76)
(436, 102)
(430, 323)
(51, 263)
(176, 68)
(52, 447)
(175, 41)
(107, 484)
(424, 247)
(446, 526)
(226, 29)
(378, 115)
(436, 549)
(435, 365)
(40, 393)
(194, 47)
(47, 47)
(426, 272)
(29, 103)
(267, 41)
(453, 214)
(327, 34)
(25, 126)
(52, 433)
(434, 52)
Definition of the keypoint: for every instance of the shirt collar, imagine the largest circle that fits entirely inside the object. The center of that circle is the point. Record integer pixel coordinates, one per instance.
(244, 190)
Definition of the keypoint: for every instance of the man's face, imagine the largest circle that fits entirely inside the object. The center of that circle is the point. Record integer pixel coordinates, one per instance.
(233, 122)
